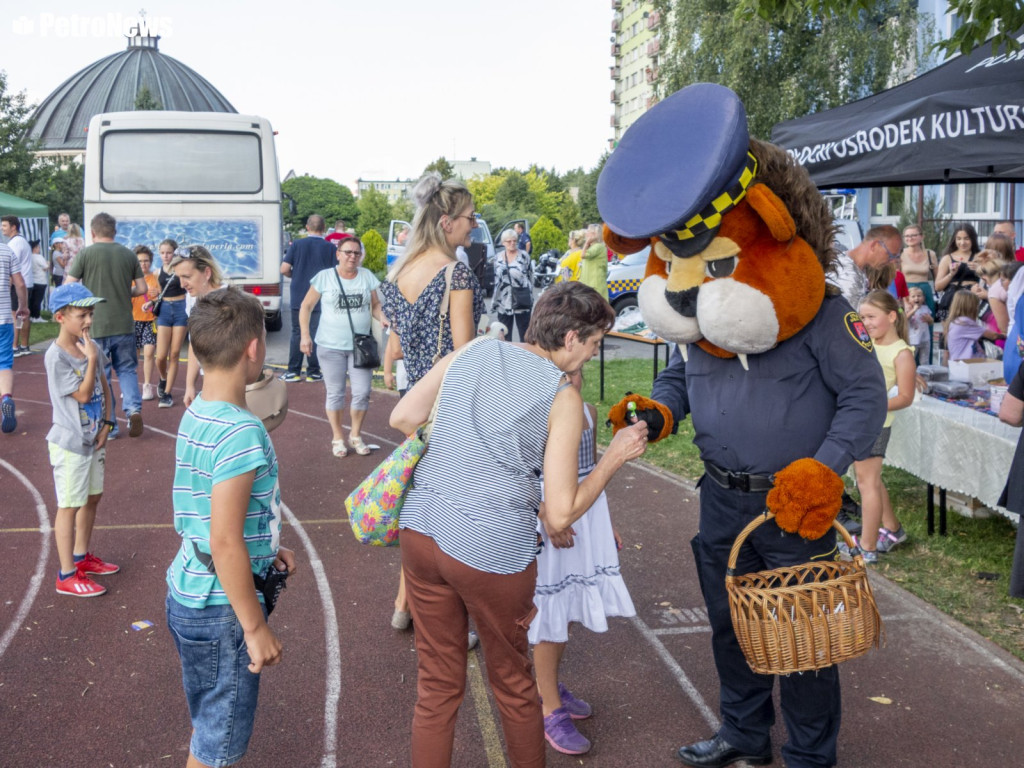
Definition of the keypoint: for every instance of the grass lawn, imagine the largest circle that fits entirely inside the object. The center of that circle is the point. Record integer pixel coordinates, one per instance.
(942, 570)
(43, 331)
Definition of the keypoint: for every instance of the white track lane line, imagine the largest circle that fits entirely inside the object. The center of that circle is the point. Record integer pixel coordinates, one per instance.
(44, 554)
(331, 636)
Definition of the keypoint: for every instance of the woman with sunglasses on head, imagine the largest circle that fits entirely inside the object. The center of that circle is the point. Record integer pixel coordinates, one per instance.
(412, 295)
(349, 294)
(198, 273)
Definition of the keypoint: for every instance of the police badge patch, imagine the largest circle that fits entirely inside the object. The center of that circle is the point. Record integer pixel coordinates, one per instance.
(856, 328)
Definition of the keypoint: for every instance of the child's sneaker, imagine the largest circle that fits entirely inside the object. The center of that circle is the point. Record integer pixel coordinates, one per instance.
(561, 733)
(290, 377)
(147, 392)
(870, 556)
(79, 585)
(165, 401)
(889, 540)
(577, 708)
(92, 564)
(161, 389)
(10, 421)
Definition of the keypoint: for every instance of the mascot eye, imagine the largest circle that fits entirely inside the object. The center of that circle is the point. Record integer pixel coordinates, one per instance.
(720, 268)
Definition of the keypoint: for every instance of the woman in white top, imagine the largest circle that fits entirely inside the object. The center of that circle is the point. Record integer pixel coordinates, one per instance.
(349, 294)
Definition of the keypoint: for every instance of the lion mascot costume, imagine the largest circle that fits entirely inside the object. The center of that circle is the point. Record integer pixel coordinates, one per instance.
(773, 367)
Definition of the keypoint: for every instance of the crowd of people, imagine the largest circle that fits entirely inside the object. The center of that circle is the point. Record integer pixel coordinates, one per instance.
(513, 405)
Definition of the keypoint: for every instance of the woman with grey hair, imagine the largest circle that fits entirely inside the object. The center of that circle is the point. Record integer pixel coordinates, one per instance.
(513, 281)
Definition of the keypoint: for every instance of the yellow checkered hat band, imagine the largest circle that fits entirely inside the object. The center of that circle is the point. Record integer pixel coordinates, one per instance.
(711, 216)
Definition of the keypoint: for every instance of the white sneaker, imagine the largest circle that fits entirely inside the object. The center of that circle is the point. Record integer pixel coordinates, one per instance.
(147, 392)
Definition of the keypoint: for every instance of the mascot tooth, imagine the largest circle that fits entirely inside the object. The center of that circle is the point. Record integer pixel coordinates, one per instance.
(781, 384)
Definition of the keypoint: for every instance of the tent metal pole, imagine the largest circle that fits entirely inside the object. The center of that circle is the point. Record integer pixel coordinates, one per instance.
(920, 206)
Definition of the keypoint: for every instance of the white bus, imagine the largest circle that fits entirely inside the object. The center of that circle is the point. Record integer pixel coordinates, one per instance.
(199, 178)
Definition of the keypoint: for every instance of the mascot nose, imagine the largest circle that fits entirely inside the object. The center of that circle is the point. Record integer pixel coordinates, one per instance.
(683, 302)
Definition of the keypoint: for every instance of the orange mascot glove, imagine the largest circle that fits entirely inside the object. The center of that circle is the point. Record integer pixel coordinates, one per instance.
(806, 498)
(658, 417)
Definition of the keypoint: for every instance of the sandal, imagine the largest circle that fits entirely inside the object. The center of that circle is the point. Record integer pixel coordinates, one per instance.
(338, 448)
(358, 445)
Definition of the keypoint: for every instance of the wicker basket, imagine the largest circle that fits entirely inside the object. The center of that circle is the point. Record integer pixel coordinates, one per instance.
(802, 617)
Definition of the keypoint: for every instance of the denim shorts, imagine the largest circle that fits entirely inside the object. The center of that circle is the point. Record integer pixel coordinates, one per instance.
(220, 690)
(881, 443)
(172, 314)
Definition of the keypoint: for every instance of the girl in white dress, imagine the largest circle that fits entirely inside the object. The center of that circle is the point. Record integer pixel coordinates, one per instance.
(578, 579)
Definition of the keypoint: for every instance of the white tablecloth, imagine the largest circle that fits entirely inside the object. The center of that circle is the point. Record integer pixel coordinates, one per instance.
(955, 448)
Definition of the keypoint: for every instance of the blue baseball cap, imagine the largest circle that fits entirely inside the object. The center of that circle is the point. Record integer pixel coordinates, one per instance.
(675, 161)
(72, 295)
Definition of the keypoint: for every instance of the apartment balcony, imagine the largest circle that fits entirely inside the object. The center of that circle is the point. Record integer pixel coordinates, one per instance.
(615, 96)
(654, 46)
(653, 20)
(616, 25)
(614, 122)
(616, 72)
(615, 49)
(616, 5)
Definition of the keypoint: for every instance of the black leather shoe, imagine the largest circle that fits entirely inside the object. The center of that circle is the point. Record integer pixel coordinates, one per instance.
(718, 753)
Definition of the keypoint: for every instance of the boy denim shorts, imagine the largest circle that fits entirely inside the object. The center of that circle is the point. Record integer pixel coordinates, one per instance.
(220, 690)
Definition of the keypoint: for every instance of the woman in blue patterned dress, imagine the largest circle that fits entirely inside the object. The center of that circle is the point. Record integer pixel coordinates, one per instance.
(411, 296)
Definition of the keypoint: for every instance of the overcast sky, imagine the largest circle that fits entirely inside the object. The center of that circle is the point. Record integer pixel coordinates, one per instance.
(512, 83)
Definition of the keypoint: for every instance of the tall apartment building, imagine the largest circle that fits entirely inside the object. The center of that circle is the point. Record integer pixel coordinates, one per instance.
(636, 43)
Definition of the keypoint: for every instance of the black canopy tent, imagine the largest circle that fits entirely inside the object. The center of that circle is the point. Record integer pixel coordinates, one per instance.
(960, 122)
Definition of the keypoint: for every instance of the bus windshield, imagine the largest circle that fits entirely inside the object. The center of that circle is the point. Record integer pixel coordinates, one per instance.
(188, 162)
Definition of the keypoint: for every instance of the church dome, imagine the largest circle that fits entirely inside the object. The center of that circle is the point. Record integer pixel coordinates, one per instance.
(113, 84)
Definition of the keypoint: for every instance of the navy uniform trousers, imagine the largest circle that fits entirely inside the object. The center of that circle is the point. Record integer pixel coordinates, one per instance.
(810, 701)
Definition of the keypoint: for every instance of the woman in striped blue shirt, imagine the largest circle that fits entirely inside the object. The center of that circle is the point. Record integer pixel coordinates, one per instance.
(469, 539)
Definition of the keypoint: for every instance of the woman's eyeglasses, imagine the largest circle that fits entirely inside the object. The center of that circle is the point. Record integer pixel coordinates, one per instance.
(349, 252)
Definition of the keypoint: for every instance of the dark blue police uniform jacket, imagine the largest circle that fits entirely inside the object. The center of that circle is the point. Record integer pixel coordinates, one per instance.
(819, 394)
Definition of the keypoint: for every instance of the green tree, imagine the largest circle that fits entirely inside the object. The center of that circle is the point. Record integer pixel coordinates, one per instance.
(375, 212)
(57, 186)
(785, 67)
(545, 236)
(515, 194)
(312, 195)
(375, 257)
(16, 156)
(979, 18)
(146, 101)
(442, 166)
(588, 193)
(934, 222)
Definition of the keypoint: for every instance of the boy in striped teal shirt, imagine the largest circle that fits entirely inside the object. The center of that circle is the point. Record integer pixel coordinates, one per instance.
(227, 510)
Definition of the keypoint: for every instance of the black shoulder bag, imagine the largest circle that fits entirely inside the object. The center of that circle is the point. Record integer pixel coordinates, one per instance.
(521, 296)
(364, 347)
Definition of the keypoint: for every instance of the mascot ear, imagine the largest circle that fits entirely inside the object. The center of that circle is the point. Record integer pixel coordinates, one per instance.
(772, 211)
(623, 245)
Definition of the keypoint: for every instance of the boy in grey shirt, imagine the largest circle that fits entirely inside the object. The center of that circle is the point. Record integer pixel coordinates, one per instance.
(81, 399)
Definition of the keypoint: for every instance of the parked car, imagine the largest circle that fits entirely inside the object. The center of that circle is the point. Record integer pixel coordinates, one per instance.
(624, 278)
(480, 251)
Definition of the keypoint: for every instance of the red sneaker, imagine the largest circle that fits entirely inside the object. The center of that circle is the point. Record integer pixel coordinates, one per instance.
(92, 564)
(79, 585)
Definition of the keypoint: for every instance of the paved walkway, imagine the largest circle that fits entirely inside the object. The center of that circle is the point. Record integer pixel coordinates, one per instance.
(81, 684)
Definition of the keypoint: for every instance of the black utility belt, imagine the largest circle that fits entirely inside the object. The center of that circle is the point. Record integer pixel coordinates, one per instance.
(740, 481)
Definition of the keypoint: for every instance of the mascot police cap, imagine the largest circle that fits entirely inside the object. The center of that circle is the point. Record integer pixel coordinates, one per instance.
(659, 178)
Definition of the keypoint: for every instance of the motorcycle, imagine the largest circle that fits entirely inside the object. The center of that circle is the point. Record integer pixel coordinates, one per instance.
(546, 268)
